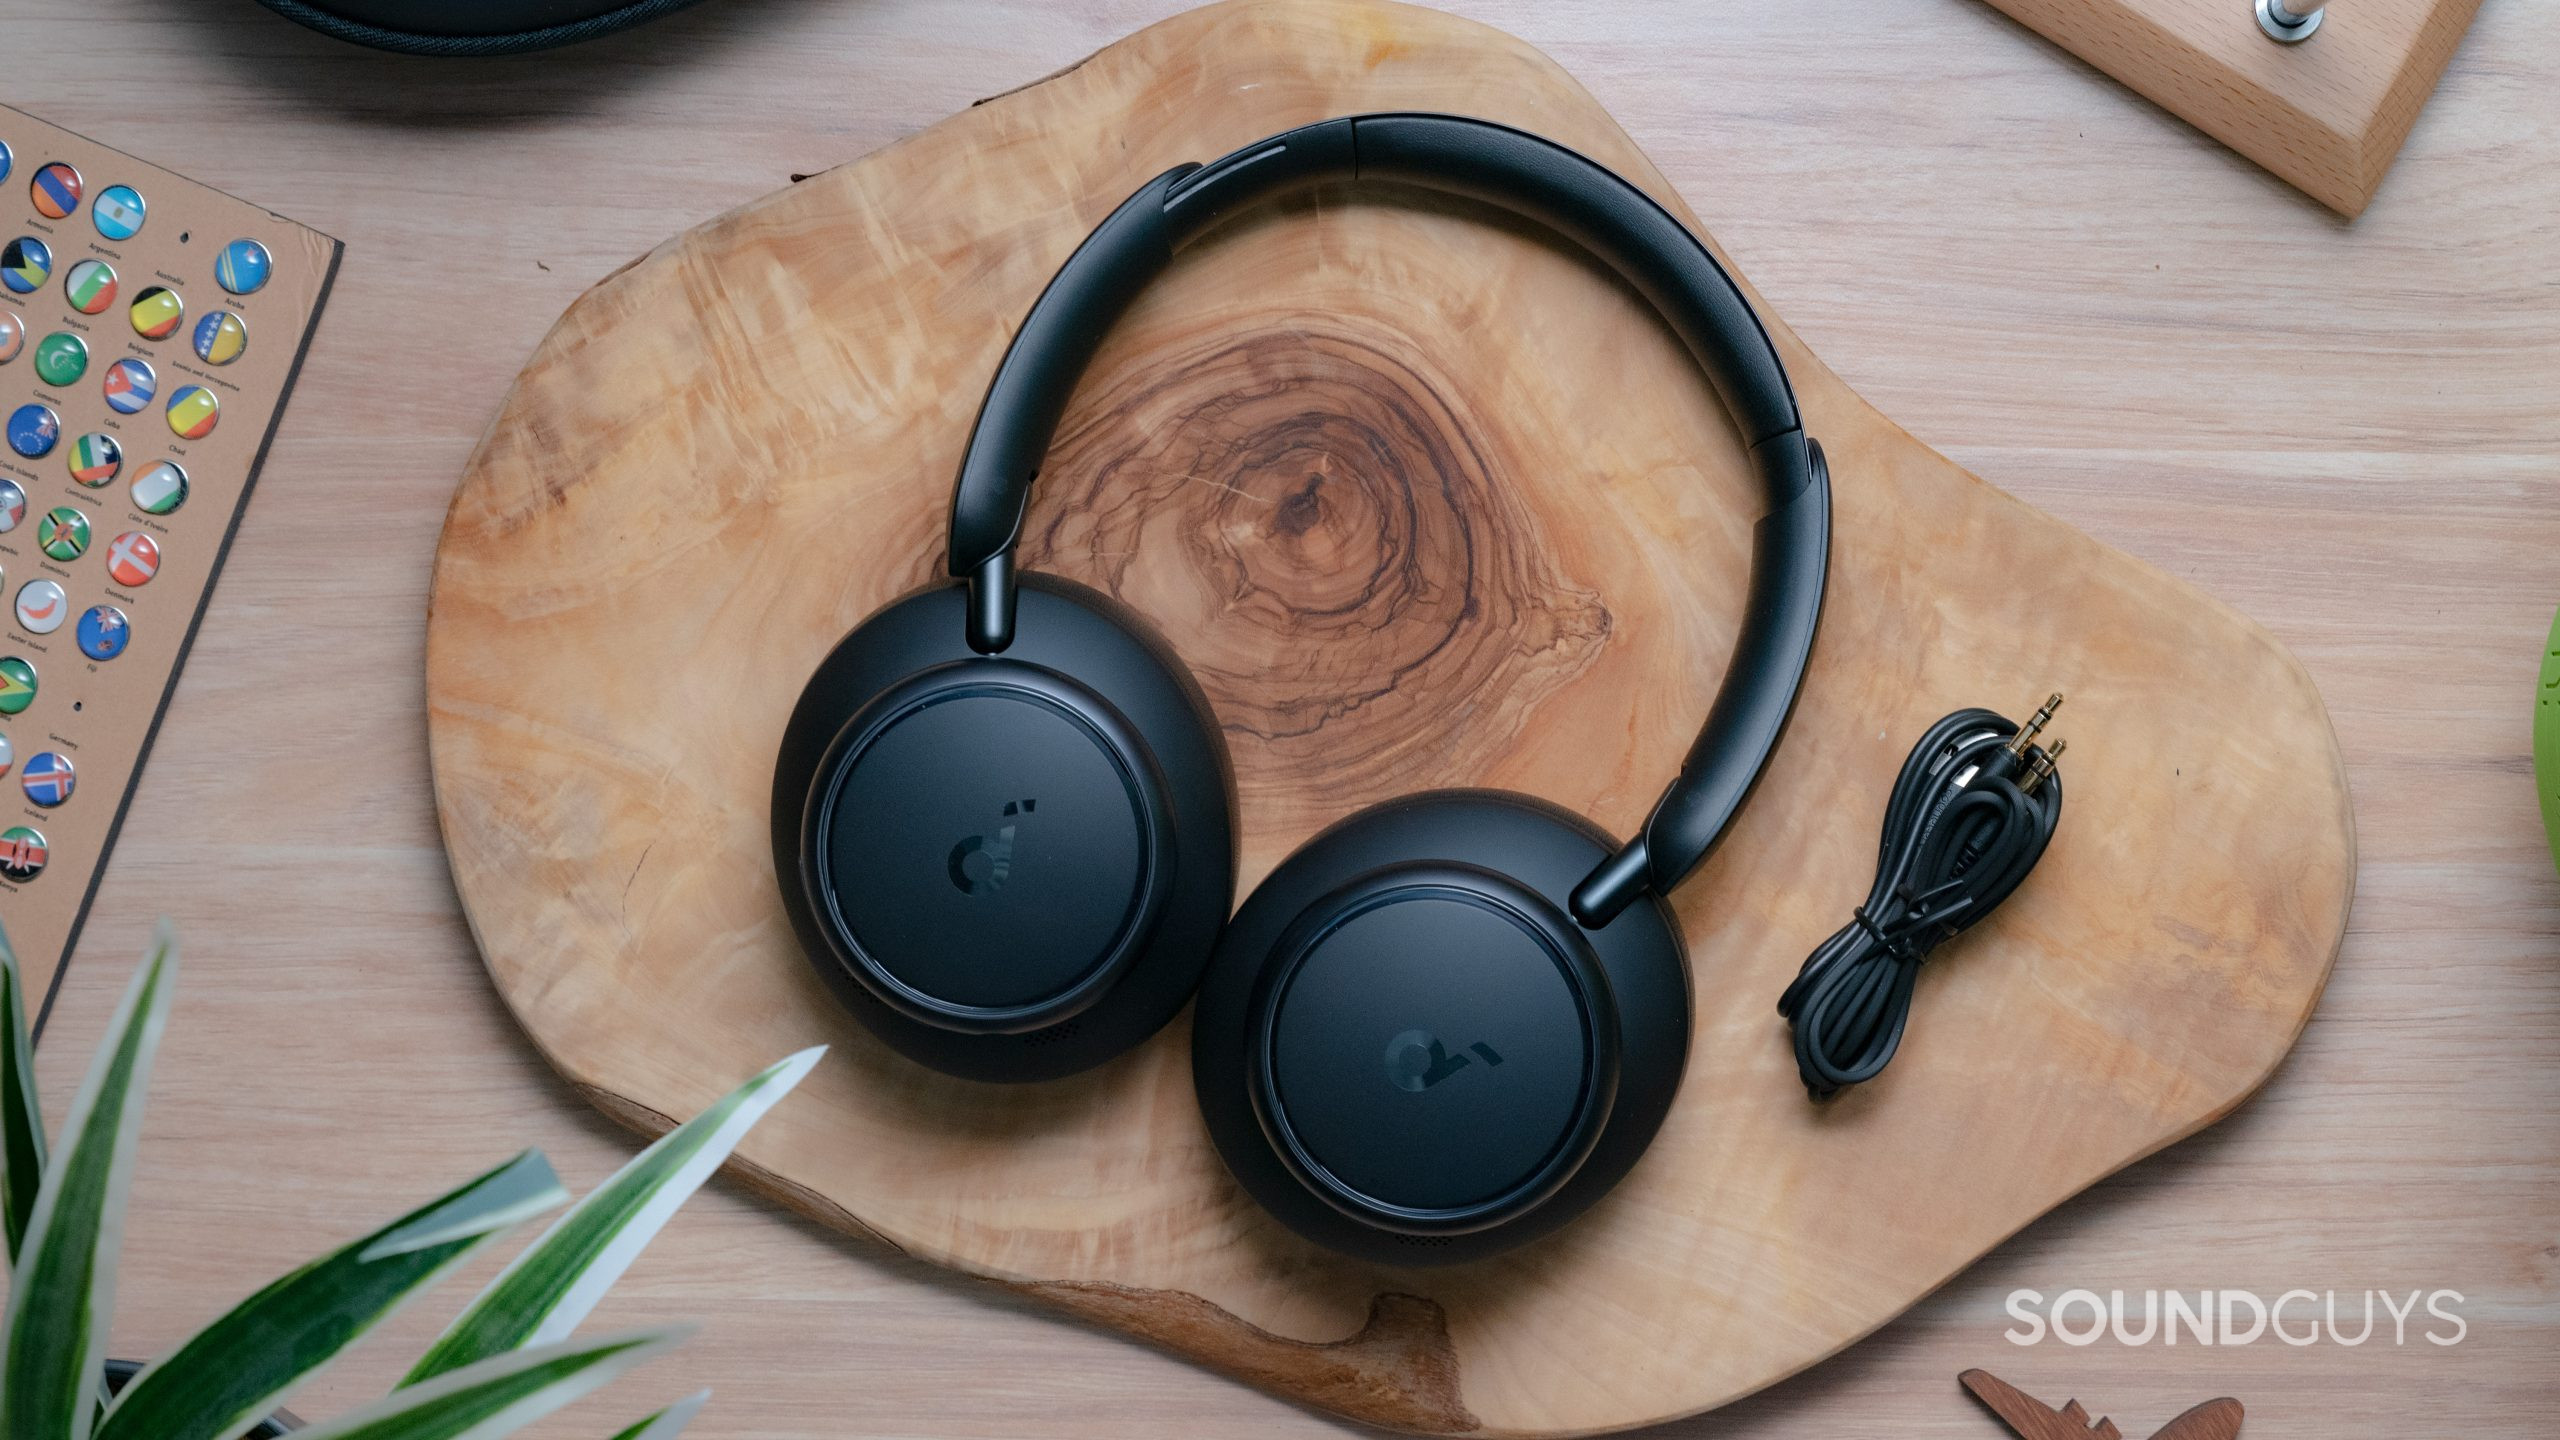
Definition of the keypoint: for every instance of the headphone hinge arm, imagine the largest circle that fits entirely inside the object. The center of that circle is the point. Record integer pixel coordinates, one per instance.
(991, 603)
(1614, 886)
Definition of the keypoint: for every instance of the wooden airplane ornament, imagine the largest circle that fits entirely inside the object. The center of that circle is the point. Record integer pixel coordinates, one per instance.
(2032, 1419)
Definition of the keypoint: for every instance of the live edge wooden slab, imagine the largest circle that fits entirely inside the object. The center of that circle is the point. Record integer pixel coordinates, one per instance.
(1423, 499)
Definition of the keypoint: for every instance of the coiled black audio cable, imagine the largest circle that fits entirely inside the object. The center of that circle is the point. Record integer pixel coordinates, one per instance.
(1970, 815)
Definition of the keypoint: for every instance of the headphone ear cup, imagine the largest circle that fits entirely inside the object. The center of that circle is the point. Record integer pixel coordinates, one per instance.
(1010, 867)
(1408, 1051)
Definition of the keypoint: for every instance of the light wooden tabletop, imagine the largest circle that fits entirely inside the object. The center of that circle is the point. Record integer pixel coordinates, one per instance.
(2352, 433)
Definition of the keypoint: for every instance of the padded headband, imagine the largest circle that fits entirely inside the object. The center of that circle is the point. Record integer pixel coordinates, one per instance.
(1540, 181)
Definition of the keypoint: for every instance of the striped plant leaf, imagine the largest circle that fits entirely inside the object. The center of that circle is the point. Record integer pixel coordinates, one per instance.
(546, 1290)
(221, 1383)
(667, 1424)
(52, 1359)
(499, 1395)
(21, 1122)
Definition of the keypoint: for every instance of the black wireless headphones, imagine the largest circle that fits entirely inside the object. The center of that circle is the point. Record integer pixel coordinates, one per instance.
(470, 27)
(1003, 814)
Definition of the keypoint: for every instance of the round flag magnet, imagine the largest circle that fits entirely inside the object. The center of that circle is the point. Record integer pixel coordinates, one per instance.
(133, 559)
(22, 852)
(63, 533)
(118, 213)
(4, 159)
(157, 312)
(47, 778)
(61, 359)
(243, 267)
(13, 505)
(193, 412)
(159, 490)
(32, 431)
(24, 264)
(42, 607)
(13, 336)
(103, 632)
(8, 753)
(130, 386)
(220, 337)
(95, 459)
(90, 286)
(17, 685)
(56, 190)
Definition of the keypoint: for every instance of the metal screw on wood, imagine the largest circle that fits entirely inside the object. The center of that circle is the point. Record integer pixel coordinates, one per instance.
(2290, 21)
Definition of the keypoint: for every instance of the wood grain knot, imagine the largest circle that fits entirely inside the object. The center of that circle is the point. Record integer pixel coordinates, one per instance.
(1332, 543)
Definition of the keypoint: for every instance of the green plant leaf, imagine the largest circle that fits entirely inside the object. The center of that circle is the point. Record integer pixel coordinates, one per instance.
(499, 1395)
(21, 1122)
(667, 1424)
(53, 1358)
(546, 1290)
(233, 1372)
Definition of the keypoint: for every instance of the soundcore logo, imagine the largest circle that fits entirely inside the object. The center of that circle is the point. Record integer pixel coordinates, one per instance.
(979, 865)
(1416, 1060)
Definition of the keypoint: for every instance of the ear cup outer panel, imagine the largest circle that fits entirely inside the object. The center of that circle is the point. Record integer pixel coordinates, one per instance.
(1459, 970)
(1407, 1051)
(1009, 867)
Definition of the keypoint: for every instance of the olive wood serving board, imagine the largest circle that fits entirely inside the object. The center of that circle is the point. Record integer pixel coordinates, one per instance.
(1424, 499)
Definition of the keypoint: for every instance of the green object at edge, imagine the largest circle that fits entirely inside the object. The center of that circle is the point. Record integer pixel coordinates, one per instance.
(2546, 740)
